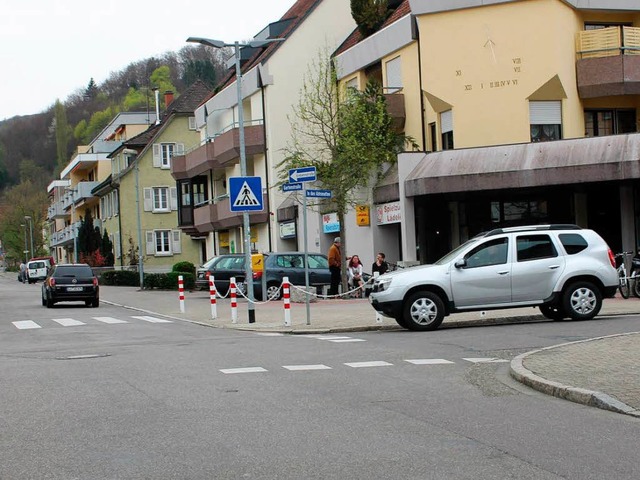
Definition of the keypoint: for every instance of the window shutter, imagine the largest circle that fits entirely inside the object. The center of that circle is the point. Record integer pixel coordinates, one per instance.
(151, 248)
(545, 113)
(192, 123)
(115, 239)
(446, 121)
(117, 203)
(173, 198)
(157, 155)
(179, 149)
(175, 241)
(148, 199)
(394, 75)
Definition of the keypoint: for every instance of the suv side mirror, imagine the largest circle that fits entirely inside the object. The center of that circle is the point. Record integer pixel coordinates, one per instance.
(461, 263)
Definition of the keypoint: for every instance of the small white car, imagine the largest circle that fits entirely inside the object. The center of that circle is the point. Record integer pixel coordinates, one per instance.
(36, 270)
(564, 270)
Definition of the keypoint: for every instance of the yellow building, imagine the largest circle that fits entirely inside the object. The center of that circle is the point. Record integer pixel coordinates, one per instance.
(528, 111)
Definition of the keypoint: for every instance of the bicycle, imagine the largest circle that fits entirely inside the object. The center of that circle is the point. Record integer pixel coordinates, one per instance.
(624, 285)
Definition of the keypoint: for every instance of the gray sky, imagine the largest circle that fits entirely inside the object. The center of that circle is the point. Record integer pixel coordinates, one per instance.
(51, 48)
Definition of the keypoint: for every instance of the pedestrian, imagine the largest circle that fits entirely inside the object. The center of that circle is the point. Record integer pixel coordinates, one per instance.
(380, 265)
(335, 265)
(354, 275)
(22, 276)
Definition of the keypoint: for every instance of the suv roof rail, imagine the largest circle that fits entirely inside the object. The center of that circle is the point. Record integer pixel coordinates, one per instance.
(529, 228)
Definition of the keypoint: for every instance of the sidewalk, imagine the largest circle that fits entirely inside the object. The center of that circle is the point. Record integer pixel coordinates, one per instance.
(602, 372)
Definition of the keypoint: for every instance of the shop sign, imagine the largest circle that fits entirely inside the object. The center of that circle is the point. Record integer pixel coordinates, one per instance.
(387, 213)
(223, 239)
(330, 223)
(362, 216)
(287, 230)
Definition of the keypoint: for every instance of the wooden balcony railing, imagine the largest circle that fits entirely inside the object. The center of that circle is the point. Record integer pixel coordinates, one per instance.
(608, 42)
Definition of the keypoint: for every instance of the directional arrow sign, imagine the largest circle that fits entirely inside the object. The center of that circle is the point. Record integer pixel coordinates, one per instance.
(318, 193)
(290, 187)
(302, 174)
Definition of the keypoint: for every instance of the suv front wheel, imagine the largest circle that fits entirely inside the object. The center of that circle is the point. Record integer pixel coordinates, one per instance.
(582, 300)
(423, 311)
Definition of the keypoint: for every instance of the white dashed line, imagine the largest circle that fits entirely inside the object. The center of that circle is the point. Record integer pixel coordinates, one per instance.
(147, 318)
(485, 360)
(330, 337)
(109, 320)
(347, 340)
(243, 370)
(68, 322)
(306, 367)
(430, 361)
(368, 364)
(26, 324)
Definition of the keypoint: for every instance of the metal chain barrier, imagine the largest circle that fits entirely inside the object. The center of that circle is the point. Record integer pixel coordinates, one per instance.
(269, 299)
(326, 297)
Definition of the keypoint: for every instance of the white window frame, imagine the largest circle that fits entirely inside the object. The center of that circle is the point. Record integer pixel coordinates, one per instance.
(167, 150)
(162, 242)
(158, 204)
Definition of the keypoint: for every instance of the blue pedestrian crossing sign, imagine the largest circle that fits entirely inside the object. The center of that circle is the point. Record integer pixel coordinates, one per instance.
(245, 194)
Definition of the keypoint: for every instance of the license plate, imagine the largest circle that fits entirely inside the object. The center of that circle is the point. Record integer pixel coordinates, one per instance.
(74, 289)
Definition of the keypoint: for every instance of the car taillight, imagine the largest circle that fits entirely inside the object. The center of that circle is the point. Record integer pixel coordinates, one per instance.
(612, 259)
(207, 274)
(95, 281)
(257, 275)
(52, 282)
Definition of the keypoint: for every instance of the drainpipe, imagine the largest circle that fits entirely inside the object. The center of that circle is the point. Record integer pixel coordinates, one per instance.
(157, 93)
(416, 35)
(266, 163)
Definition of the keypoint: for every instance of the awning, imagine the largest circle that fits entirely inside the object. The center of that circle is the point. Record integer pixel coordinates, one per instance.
(561, 162)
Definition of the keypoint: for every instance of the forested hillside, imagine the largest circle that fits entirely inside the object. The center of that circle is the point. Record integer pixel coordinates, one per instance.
(36, 147)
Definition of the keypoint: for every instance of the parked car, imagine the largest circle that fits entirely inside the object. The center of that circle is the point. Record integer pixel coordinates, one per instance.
(37, 270)
(226, 267)
(202, 275)
(69, 283)
(563, 270)
(278, 265)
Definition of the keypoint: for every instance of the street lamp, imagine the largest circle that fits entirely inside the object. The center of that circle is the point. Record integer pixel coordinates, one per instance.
(26, 248)
(30, 222)
(243, 158)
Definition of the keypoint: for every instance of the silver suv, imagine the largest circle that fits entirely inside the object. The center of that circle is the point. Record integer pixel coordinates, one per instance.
(564, 270)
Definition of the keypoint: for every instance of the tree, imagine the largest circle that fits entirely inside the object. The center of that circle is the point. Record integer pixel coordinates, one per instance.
(349, 142)
(89, 238)
(199, 70)
(106, 249)
(91, 91)
(62, 130)
(369, 15)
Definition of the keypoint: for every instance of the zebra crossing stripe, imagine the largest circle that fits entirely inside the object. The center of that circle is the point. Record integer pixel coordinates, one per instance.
(147, 318)
(243, 370)
(429, 361)
(347, 340)
(26, 324)
(306, 367)
(68, 322)
(109, 320)
(375, 363)
(485, 360)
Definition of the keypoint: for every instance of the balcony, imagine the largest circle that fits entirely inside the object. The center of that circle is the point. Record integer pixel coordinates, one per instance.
(63, 237)
(56, 211)
(82, 191)
(195, 162)
(216, 215)
(227, 144)
(608, 62)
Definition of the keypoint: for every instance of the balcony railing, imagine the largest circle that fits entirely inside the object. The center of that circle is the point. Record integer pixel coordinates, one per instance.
(395, 106)
(65, 236)
(56, 211)
(608, 62)
(217, 215)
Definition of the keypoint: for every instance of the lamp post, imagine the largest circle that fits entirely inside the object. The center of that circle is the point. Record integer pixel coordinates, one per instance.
(30, 222)
(243, 158)
(26, 248)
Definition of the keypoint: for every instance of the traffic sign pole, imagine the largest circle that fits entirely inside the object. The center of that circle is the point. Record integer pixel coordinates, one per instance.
(306, 255)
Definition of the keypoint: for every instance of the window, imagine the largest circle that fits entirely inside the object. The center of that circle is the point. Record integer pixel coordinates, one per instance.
(598, 123)
(545, 119)
(316, 261)
(199, 190)
(163, 242)
(573, 243)
(533, 247)
(160, 199)
(434, 137)
(394, 75)
(167, 153)
(493, 252)
(519, 211)
(446, 126)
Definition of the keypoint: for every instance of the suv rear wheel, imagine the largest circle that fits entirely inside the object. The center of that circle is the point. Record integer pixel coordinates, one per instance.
(582, 300)
(423, 311)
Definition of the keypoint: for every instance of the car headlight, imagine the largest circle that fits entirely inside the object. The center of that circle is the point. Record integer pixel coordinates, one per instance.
(382, 284)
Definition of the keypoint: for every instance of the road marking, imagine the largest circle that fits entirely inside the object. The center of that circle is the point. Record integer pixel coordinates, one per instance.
(26, 324)
(68, 322)
(346, 340)
(306, 367)
(243, 370)
(109, 320)
(485, 360)
(147, 318)
(269, 334)
(374, 363)
(429, 361)
(330, 337)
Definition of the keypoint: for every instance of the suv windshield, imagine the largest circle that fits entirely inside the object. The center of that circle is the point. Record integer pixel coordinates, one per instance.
(73, 271)
(454, 253)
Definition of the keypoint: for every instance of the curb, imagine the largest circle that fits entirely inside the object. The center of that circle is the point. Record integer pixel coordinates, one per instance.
(583, 396)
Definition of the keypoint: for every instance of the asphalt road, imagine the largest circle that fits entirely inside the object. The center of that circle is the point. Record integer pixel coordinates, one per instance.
(99, 394)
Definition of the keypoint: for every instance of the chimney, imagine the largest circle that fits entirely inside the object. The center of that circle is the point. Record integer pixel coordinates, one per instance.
(168, 98)
(157, 93)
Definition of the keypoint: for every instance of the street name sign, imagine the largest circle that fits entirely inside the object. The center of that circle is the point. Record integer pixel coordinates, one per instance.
(291, 187)
(245, 194)
(318, 193)
(302, 174)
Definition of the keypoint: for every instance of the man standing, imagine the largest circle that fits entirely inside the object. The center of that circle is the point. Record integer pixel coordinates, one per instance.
(335, 265)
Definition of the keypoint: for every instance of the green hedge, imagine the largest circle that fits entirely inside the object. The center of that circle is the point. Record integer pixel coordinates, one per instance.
(126, 278)
(185, 267)
(161, 281)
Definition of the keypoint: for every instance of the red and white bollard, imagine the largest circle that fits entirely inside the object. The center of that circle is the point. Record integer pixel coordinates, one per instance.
(286, 298)
(181, 292)
(234, 302)
(212, 295)
(378, 314)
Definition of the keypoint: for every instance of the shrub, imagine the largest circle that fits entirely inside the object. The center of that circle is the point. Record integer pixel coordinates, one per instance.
(151, 280)
(169, 281)
(127, 278)
(186, 267)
